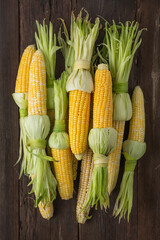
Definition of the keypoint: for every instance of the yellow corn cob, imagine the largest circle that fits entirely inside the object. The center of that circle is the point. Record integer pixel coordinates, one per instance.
(79, 112)
(46, 211)
(37, 86)
(22, 80)
(133, 149)
(37, 106)
(84, 183)
(102, 137)
(63, 166)
(75, 166)
(114, 158)
(102, 111)
(137, 123)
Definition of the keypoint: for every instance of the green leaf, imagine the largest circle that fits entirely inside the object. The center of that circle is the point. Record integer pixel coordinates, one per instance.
(46, 42)
(67, 43)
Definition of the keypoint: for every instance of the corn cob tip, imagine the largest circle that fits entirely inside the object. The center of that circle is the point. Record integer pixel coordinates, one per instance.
(47, 211)
(38, 52)
(30, 47)
(79, 156)
(138, 88)
(103, 66)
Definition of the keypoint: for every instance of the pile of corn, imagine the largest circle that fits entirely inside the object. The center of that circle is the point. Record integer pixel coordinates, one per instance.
(61, 123)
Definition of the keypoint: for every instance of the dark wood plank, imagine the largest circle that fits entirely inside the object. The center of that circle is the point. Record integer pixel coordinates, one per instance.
(9, 56)
(103, 225)
(149, 79)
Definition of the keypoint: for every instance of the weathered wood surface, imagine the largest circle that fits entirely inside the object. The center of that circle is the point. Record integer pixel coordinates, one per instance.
(18, 219)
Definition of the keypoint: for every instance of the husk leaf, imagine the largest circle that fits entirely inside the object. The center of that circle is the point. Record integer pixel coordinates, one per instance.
(21, 99)
(67, 44)
(101, 141)
(122, 41)
(60, 139)
(124, 201)
(122, 106)
(85, 35)
(134, 149)
(46, 42)
(43, 182)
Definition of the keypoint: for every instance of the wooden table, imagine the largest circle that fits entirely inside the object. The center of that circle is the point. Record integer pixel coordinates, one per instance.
(18, 217)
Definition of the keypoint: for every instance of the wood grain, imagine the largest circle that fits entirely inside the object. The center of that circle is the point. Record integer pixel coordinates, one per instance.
(9, 187)
(19, 219)
(149, 79)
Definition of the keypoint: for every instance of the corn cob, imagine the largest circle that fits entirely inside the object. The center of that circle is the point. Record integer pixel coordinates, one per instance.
(79, 105)
(115, 156)
(102, 110)
(102, 137)
(22, 80)
(63, 172)
(37, 86)
(22, 84)
(84, 183)
(59, 141)
(137, 123)
(21, 98)
(80, 83)
(45, 210)
(133, 149)
(37, 126)
(122, 41)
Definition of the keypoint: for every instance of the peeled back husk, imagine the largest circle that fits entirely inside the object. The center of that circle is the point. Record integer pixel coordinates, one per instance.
(59, 140)
(134, 149)
(43, 182)
(122, 107)
(21, 99)
(81, 80)
(102, 141)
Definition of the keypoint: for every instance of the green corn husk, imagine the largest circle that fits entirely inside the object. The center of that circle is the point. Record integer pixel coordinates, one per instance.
(46, 42)
(67, 44)
(43, 182)
(84, 35)
(59, 139)
(121, 41)
(102, 142)
(133, 151)
(21, 99)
